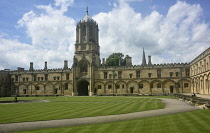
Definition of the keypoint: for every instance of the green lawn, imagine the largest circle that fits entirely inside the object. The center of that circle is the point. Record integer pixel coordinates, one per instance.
(189, 122)
(73, 107)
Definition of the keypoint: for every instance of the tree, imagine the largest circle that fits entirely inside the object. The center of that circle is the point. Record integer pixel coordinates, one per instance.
(115, 59)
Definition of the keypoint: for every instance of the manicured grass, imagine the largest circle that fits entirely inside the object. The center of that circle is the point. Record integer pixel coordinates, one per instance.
(189, 122)
(74, 107)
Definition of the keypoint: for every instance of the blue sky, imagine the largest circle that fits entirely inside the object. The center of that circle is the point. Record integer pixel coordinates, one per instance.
(36, 31)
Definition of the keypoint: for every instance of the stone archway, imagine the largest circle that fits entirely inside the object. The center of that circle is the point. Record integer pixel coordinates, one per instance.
(82, 88)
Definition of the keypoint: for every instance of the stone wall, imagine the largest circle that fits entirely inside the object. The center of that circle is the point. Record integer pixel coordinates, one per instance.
(200, 73)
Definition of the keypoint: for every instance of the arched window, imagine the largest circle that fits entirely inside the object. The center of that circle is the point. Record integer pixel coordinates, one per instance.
(92, 34)
(91, 31)
(83, 66)
(84, 30)
(66, 86)
(77, 36)
(141, 86)
(159, 85)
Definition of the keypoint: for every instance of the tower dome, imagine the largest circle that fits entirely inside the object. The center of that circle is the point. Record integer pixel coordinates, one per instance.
(87, 18)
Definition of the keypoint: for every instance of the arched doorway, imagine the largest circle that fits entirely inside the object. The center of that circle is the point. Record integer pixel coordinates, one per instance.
(171, 89)
(82, 88)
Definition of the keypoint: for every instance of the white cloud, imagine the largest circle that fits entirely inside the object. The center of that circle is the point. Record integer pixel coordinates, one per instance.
(179, 36)
(115, 5)
(52, 34)
(50, 30)
(14, 54)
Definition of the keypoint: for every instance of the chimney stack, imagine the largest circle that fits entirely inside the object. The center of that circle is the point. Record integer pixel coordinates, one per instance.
(31, 66)
(65, 64)
(128, 60)
(45, 65)
(144, 63)
(149, 60)
(103, 61)
(20, 69)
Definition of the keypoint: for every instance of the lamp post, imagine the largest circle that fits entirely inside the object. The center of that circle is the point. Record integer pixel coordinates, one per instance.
(16, 95)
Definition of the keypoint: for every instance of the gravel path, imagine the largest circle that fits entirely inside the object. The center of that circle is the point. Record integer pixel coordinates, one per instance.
(172, 106)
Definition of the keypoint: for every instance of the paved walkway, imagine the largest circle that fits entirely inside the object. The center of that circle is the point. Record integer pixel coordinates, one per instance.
(206, 96)
(173, 106)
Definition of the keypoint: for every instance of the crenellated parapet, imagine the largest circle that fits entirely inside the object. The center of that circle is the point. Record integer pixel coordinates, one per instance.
(4, 71)
(45, 70)
(165, 65)
(200, 65)
(171, 65)
(56, 70)
(201, 56)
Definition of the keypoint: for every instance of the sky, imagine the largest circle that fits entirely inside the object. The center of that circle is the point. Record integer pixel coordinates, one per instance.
(171, 31)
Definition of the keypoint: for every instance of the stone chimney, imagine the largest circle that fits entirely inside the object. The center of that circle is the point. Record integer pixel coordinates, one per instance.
(65, 64)
(20, 69)
(149, 60)
(31, 66)
(103, 61)
(45, 65)
(128, 60)
(144, 63)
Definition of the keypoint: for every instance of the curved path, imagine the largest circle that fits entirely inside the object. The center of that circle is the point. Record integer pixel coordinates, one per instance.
(172, 106)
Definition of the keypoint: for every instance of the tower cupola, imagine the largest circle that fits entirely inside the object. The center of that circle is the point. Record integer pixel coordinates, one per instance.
(87, 30)
(87, 18)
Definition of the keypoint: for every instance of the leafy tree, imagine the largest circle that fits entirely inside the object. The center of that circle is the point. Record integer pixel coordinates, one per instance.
(115, 59)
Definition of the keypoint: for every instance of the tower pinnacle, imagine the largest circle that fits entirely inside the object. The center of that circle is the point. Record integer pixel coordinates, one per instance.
(87, 10)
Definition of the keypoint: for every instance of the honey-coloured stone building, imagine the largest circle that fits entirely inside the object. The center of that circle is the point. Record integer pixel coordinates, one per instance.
(89, 76)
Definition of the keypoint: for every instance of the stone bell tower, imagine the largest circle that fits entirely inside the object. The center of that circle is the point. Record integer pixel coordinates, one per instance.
(87, 55)
(87, 42)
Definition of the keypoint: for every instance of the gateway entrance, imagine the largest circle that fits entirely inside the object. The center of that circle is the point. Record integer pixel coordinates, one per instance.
(82, 88)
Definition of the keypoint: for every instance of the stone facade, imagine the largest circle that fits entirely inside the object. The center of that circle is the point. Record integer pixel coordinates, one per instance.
(5, 83)
(200, 73)
(88, 76)
(154, 79)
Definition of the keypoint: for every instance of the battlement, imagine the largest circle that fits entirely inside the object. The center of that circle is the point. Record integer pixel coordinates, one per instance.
(202, 55)
(5, 71)
(57, 70)
(165, 65)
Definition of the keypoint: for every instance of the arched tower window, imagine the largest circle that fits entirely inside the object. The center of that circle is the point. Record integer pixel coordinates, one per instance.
(84, 30)
(91, 31)
(92, 34)
(77, 34)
